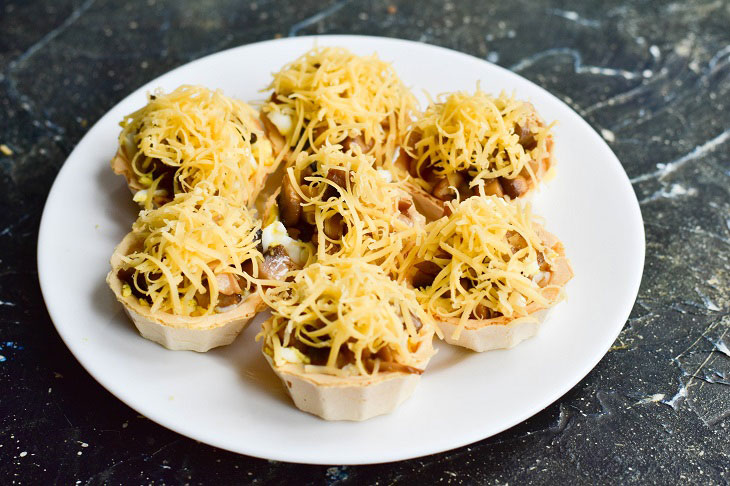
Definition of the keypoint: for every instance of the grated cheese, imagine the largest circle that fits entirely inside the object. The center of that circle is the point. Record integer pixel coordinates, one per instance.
(330, 94)
(375, 229)
(344, 305)
(461, 132)
(202, 136)
(494, 245)
(187, 242)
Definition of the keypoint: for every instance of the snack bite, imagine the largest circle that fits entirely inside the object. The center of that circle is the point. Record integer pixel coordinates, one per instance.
(191, 136)
(464, 141)
(331, 95)
(487, 273)
(185, 274)
(342, 207)
(348, 342)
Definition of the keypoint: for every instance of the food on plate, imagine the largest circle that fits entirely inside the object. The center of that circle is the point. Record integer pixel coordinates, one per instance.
(186, 273)
(340, 206)
(330, 94)
(347, 341)
(488, 272)
(463, 141)
(380, 227)
(190, 136)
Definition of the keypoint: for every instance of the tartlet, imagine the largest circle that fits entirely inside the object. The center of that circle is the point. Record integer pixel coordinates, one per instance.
(193, 137)
(487, 273)
(348, 342)
(330, 95)
(338, 205)
(186, 273)
(469, 144)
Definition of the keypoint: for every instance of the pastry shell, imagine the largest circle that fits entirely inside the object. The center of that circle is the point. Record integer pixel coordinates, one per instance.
(353, 398)
(121, 164)
(180, 332)
(506, 332)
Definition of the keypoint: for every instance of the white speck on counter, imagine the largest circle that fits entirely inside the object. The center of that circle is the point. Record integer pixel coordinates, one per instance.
(674, 401)
(657, 397)
(722, 347)
(608, 135)
(655, 52)
(23, 454)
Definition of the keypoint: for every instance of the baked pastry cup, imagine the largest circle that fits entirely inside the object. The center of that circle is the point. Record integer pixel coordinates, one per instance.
(330, 95)
(470, 144)
(488, 274)
(341, 206)
(193, 137)
(186, 273)
(340, 343)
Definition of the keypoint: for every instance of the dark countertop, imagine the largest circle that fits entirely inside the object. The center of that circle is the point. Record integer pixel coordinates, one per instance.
(652, 77)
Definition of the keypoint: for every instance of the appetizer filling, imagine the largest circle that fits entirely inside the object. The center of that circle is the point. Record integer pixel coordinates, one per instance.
(282, 254)
(345, 208)
(193, 137)
(486, 259)
(332, 95)
(197, 255)
(346, 318)
(464, 141)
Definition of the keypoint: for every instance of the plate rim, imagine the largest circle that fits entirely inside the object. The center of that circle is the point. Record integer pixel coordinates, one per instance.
(464, 439)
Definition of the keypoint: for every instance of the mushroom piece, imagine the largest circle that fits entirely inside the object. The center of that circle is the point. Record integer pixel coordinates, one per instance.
(289, 203)
(514, 187)
(334, 227)
(493, 188)
(227, 284)
(277, 263)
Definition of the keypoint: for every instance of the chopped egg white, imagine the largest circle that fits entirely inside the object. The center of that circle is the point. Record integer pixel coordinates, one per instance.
(385, 175)
(275, 234)
(252, 160)
(290, 355)
(517, 300)
(141, 196)
(282, 122)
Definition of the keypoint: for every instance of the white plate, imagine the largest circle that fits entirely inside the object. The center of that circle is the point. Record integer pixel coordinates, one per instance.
(229, 397)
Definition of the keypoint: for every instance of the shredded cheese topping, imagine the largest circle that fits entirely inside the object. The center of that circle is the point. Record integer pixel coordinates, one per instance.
(349, 310)
(200, 136)
(488, 252)
(364, 204)
(187, 244)
(331, 94)
(478, 134)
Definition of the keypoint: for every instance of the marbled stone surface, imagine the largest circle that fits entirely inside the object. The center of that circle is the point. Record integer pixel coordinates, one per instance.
(652, 77)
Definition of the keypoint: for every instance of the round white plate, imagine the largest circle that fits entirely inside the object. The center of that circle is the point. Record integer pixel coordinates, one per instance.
(230, 398)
